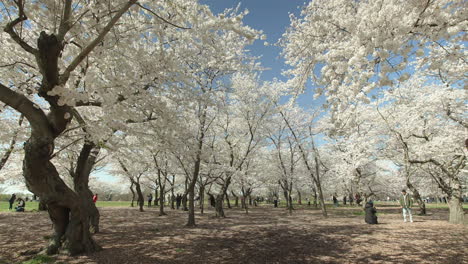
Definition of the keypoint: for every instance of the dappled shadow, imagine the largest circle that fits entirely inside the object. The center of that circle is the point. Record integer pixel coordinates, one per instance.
(265, 235)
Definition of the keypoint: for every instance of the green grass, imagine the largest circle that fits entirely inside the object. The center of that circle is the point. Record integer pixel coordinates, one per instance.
(114, 203)
(39, 259)
(32, 206)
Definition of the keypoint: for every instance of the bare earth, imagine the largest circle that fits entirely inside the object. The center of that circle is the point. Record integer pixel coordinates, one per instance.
(265, 235)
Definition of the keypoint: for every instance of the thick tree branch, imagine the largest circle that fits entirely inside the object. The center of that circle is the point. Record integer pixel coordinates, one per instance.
(65, 23)
(87, 50)
(32, 112)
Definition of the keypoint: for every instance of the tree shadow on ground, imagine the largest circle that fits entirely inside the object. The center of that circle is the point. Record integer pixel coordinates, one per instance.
(265, 235)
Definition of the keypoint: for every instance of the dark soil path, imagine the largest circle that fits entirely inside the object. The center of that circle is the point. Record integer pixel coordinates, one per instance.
(265, 235)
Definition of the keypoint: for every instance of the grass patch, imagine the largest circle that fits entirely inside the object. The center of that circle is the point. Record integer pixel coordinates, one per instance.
(30, 206)
(39, 259)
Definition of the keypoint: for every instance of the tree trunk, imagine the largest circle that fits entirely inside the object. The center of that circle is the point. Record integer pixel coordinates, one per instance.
(133, 194)
(244, 203)
(185, 202)
(172, 198)
(227, 200)
(236, 201)
(141, 199)
(315, 198)
(456, 213)
(85, 164)
(67, 210)
(162, 190)
(196, 171)
(42, 206)
(417, 197)
(319, 188)
(202, 198)
(161, 201)
(156, 200)
(286, 197)
(299, 197)
(219, 205)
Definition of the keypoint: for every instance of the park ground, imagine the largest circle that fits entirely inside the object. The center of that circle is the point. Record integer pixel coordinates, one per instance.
(265, 235)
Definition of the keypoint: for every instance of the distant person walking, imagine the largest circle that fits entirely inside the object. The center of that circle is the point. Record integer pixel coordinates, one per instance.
(95, 198)
(12, 201)
(405, 204)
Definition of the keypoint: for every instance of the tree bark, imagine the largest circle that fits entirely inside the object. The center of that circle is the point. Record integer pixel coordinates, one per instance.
(417, 197)
(219, 205)
(133, 193)
(141, 199)
(299, 197)
(85, 164)
(456, 212)
(67, 210)
(156, 200)
(319, 187)
(227, 200)
(42, 206)
(236, 201)
(315, 198)
(202, 198)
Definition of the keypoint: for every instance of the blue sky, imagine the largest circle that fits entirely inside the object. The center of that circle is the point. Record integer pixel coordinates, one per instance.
(271, 16)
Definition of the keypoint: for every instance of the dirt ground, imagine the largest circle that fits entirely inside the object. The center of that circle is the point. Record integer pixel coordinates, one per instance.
(265, 235)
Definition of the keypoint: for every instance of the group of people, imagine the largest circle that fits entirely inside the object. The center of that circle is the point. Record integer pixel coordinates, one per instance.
(178, 199)
(406, 203)
(21, 204)
(348, 199)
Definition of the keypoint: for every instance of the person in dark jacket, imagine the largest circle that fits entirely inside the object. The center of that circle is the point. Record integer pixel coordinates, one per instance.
(178, 201)
(20, 206)
(370, 210)
(212, 200)
(11, 201)
(150, 199)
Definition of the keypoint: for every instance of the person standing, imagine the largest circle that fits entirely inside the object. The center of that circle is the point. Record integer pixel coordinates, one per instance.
(11, 201)
(150, 199)
(95, 198)
(405, 204)
(178, 200)
(351, 200)
(335, 201)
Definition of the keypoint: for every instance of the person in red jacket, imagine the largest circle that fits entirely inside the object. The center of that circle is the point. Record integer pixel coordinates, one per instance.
(95, 197)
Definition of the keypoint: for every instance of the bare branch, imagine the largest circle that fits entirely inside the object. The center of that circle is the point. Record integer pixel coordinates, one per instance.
(161, 18)
(9, 28)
